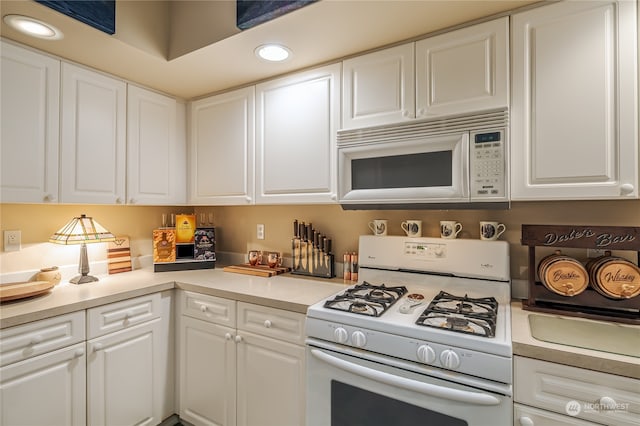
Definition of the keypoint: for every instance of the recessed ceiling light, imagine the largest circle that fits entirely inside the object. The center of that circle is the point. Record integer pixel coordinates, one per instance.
(273, 52)
(33, 27)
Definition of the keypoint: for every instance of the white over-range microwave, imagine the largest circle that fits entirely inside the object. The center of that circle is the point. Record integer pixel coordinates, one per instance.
(453, 162)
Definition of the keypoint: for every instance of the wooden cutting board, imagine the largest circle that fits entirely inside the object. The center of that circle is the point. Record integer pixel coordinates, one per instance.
(14, 291)
(258, 270)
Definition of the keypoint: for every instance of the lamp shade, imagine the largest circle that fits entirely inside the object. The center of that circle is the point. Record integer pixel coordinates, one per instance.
(80, 230)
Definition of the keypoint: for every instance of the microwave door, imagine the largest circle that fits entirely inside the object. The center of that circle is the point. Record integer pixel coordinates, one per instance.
(422, 170)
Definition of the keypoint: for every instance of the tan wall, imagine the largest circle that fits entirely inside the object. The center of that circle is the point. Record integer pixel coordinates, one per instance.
(236, 226)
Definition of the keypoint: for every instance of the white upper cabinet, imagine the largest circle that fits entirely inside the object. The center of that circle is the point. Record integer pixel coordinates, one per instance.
(379, 88)
(156, 148)
(463, 71)
(297, 118)
(221, 149)
(574, 130)
(93, 154)
(30, 126)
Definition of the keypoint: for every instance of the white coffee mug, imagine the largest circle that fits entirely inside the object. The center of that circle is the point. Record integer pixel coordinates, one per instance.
(413, 228)
(378, 226)
(490, 231)
(450, 228)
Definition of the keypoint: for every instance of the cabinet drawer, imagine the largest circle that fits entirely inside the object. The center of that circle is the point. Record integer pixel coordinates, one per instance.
(271, 322)
(120, 315)
(38, 337)
(527, 416)
(208, 308)
(599, 397)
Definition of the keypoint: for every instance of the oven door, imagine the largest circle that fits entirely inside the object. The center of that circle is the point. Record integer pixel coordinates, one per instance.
(417, 170)
(346, 390)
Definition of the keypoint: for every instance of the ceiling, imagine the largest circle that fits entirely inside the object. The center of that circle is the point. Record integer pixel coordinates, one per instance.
(210, 55)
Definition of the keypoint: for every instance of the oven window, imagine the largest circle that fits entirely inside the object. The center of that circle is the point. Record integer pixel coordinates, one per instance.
(420, 170)
(352, 406)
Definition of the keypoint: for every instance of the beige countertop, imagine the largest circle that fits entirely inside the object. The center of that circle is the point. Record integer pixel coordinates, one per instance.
(286, 291)
(289, 292)
(524, 344)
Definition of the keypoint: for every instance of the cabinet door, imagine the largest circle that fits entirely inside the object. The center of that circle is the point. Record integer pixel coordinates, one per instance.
(156, 152)
(207, 373)
(123, 371)
(574, 123)
(461, 71)
(296, 123)
(271, 382)
(30, 126)
(379, 88)
(93, 137)
(46, 390)
(221, 149)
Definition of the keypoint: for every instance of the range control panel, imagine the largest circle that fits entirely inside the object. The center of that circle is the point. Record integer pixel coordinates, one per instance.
(424, 251)
(488, 168)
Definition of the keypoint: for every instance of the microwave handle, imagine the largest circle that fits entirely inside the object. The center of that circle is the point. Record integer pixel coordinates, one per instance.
(409, 384)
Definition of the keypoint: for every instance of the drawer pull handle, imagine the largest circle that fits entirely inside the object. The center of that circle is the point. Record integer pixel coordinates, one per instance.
(78, 353)
(36, 340)
(203, 308)
(228, 336)
(238, 339)
(525, 421)
(97, 347)
(267, 324)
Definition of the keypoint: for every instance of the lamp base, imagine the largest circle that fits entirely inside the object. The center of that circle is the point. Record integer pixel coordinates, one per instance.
(83, 279)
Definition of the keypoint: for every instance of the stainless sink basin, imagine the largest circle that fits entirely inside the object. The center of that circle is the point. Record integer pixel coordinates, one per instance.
(605, 337)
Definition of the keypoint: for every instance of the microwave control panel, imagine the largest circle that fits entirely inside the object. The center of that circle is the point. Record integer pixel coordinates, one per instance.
(488, 166)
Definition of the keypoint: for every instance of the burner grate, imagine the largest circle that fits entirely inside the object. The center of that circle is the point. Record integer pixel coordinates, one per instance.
(366, 299)
(461, 314)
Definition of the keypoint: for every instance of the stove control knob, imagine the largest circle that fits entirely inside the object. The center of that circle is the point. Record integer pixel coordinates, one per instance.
(359, 339)
(450, 359)
(340, 335)
(426, 354)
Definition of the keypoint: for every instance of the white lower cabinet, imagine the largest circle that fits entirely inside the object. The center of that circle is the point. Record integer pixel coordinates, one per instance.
(45, 390)
(42, 372)
(122, 368)
(547, 393)
(240, 364)
(129, 373)
(207, 373)
(270, 382)
(121, 373)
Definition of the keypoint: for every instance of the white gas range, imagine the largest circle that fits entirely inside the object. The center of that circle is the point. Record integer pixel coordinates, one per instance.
(427, 326)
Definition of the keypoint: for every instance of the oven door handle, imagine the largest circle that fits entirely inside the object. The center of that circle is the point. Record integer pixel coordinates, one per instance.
(409, 384)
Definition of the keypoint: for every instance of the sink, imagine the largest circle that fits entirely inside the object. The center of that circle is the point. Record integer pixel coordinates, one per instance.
(606, 337)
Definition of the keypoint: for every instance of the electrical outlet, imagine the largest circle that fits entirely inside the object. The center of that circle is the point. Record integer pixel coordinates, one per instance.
(260, 231)
(12, 240)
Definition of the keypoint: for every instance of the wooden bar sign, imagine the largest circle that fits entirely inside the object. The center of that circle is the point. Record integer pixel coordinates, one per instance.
(582, 236)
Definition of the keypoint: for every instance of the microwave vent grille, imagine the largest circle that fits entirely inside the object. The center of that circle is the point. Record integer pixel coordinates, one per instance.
(430, 127)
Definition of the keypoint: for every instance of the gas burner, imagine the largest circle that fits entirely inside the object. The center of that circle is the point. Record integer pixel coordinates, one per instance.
(366, 299)
(461, 314)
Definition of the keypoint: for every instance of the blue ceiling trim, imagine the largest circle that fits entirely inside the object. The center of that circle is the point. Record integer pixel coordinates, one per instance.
(250, 13)
(100, 14)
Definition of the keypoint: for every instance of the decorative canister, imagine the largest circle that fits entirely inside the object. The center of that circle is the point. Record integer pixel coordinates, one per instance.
(51, 274)
(614, 277)
(562, 274)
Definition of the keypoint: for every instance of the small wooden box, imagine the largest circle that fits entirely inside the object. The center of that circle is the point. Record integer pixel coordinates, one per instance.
(205, 244)
(185, 228)
(164, 245)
